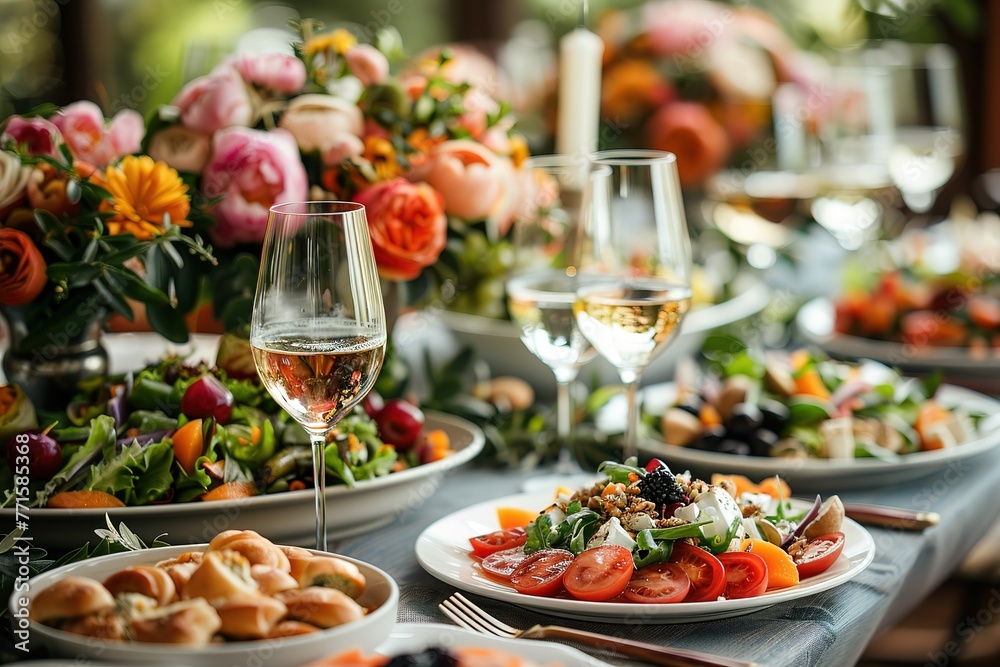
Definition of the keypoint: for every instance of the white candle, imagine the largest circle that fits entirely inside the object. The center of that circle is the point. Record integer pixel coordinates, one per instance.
(580, 54)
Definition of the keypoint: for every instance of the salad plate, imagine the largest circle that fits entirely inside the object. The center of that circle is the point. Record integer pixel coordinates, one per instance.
(821, 474)
(815, 320)
(414, 637)
(498, 342)
(381, 596)
(285, 517)
(443, 551)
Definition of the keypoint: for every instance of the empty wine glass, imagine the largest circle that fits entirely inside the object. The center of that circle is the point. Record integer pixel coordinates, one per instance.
(318, 331)
(541, 288)
(634, 284)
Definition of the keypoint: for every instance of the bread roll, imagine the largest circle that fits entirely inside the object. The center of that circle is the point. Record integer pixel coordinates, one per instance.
(189, 622)
(222, 575)
(249, 618)
(68, 598)
(181, 568)
(272, 580)
(322, 607)
(135, 604)
(153, 582)
(291, 629)
(332, 573)
(258, 550)
(297, 559)
(102, 625)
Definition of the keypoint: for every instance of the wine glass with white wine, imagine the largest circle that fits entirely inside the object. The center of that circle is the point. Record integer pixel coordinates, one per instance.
(541, 287)
(634, 277)
(318, 331)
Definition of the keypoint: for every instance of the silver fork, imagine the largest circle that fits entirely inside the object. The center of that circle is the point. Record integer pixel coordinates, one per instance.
(467, 615)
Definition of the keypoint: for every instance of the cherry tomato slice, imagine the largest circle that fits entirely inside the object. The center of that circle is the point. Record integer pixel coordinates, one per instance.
(660, 583)
(541, 573)
(746, 574)
(600, 573)
(502, 564)
(708, 577)
(498, 540)
(819, 554)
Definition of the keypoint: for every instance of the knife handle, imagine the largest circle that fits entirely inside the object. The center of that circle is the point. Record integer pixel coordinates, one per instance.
(891, 517)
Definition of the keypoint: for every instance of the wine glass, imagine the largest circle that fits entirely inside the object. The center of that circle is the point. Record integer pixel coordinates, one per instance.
(318, 330)
(634, 284)
(541, 287)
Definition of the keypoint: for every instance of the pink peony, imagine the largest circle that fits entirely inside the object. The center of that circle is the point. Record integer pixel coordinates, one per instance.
(93, 140)
(324, 123)
(469, 176)
(212, 102)
(407, 226)
(39, 135)
(686, 28)
(251, 170)
(367, 64)
(277, 72)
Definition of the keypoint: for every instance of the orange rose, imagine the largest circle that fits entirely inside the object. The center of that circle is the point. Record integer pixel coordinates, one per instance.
(22, 268)
(407, 225)
(688, 130)
(47, 190)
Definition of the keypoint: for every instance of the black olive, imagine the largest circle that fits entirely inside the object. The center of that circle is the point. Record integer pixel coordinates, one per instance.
(709, 439)
(775, 414)
(746, 418)
(761, 441)
(731, 446)
(689, 407)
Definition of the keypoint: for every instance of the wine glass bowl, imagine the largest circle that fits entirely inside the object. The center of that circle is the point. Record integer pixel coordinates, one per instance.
(318, 330)
(634, 274)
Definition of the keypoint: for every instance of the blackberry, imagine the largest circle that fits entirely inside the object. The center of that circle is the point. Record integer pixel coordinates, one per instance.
(661, 487)
(432, 657)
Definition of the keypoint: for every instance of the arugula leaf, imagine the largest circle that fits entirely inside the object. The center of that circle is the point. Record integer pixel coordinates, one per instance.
(582, 526)
(379, 465)
(188, 487)
(648, 551)
(335, 465)
(619, 472)
(539, 533)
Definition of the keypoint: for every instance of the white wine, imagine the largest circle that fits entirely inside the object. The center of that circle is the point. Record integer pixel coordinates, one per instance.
(542, 308)
(318, 373)
(629, 324)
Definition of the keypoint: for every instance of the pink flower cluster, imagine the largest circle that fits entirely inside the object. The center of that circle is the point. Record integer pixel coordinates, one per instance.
(83, 128)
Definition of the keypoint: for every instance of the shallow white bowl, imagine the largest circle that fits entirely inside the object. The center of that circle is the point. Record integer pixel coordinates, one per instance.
(381, 593)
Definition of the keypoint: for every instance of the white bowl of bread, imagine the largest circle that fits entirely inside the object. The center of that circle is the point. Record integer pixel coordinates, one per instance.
(236, 598)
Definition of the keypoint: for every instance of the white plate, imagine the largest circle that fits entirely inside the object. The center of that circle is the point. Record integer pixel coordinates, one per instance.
(816, 322)
(443, 550)
(286, 517)
(367, 633)
(830, 474)
(415, 637)
(498, 342)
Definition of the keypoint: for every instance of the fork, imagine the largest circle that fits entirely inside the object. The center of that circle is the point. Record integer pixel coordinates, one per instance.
(467, 615)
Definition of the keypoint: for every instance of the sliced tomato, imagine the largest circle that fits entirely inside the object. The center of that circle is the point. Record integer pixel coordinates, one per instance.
(600, 573)
(660, 583)
(708, 578)
(746, 574)
(541, 573)
(502, 564)
(498, 540)
(819, 554)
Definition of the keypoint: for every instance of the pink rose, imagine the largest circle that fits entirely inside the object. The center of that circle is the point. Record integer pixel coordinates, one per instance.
(367, 64)
(469, 177)
(324, 123)
(93, 140)
(685, 28)
(212, 102)
(252, 171)
(407, 226)
(477, 105)
(278, 72)
(38, 134)
(181, 148)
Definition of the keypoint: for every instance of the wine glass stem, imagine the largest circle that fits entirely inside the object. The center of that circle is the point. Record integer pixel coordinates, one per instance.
(564, 425)
(319, 483)
(631, 445)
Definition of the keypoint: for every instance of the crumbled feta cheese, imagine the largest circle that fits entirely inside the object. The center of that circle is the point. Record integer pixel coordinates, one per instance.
(837, 438)
(639, 521)
(611, 533)
(688, 512)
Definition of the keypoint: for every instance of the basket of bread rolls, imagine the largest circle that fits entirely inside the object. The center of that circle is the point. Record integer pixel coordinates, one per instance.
(236, 597)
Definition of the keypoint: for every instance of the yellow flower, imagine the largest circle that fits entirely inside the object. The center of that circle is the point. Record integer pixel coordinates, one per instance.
(338, 41)
(144, 193)
(382, 155)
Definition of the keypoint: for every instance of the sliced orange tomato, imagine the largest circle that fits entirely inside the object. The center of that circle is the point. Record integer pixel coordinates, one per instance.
(928, 414)
(83, 500)
(781, 570)
(515, 517)
(742, 484)
(189, 444)
(231, 491)
(773, 486)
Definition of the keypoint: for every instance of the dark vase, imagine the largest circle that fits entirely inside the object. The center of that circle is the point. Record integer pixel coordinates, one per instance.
(48, 373)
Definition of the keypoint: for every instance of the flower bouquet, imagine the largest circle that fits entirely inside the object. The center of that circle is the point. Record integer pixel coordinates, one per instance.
(88, 227)
(432, 157)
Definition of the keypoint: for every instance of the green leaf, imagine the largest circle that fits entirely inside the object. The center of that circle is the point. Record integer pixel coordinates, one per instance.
(102, 435)
(136, 288)
(113, 299)
(167, 322)
(114, 475)
(153, 474)
(805, 411)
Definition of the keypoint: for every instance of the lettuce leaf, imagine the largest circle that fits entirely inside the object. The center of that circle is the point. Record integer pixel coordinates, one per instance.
(102, 436)
(154, 476)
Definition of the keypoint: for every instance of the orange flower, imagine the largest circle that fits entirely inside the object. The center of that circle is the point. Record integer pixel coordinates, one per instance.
(144, 193)
(382, 156)
(631, 88)
(22, 268)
